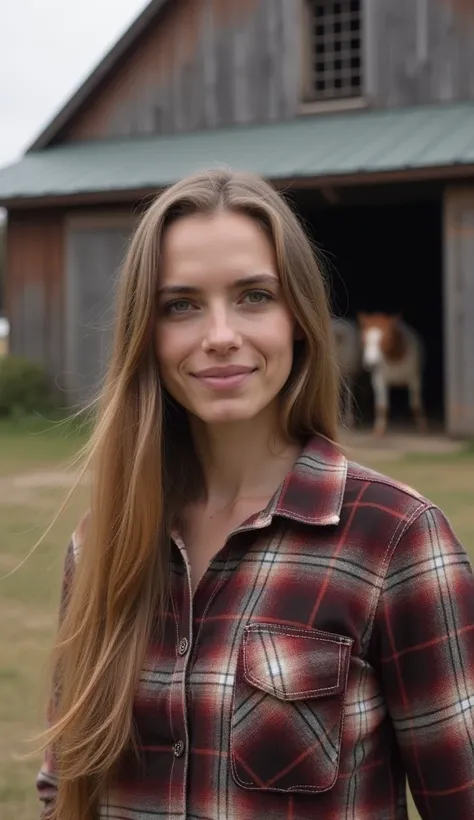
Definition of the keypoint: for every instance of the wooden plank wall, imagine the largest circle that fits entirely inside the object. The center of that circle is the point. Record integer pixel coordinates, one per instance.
(459, 311)
(421, 51)
(34, 287)
(95, 248)
(209, 63)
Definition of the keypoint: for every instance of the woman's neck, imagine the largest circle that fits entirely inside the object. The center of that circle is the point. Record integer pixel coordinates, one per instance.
(240, 460)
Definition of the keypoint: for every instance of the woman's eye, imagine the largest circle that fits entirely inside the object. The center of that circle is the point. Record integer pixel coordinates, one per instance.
(257, 297)
(178, 306)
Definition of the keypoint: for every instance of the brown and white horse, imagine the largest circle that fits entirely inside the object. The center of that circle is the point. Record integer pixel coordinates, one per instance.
(392, 352)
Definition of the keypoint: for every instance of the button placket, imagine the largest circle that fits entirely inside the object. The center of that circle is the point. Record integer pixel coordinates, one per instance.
(183, 646)
(182, 604)
(178, 748)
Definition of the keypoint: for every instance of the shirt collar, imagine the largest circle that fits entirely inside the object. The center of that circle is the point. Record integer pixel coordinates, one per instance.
(313, 491)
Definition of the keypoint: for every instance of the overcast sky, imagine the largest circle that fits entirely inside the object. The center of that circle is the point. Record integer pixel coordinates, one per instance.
(47, 49)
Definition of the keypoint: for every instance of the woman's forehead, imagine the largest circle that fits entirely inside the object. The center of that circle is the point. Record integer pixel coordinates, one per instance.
(227, 244)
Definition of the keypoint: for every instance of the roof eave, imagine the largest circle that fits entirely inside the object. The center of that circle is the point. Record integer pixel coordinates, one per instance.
(444, 173)
(125, 195)
(101, 71)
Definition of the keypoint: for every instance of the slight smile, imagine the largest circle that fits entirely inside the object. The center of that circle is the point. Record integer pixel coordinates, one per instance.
(224, 378)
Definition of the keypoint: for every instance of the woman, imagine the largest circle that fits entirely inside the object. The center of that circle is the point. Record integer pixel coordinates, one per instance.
(251, 626)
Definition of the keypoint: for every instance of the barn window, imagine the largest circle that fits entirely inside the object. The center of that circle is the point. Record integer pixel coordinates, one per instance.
(334, 50)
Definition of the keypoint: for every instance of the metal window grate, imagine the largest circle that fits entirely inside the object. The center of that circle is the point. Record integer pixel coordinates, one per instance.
(336, 49)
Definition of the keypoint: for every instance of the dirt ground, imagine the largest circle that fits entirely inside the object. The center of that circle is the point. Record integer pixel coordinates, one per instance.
(364, 447)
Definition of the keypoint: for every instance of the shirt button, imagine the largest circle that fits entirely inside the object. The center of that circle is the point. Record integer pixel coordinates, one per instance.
(178, 748)
(183, 646)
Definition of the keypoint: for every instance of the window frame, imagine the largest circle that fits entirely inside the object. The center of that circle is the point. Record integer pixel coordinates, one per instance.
(309, 103)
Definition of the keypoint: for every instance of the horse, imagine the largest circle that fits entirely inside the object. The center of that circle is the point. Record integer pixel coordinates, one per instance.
(349, 355)
(393, 353)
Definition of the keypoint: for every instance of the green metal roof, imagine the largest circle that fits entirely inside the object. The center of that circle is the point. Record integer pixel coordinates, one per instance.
(337, 145)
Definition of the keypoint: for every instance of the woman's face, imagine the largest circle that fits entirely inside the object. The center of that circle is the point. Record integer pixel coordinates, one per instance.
(224, 337)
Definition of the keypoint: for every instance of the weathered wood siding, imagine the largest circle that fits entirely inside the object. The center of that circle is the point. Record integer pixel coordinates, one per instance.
(212, 63)
(34, 287)
(419, 51)
(95, 251)
(209, 63)
(459, 311)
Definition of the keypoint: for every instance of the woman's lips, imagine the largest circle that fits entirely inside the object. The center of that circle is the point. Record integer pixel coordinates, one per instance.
(224, 378)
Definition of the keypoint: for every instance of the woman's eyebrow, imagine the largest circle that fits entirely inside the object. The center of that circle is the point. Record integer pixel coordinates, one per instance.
(257, 279)
(244, 281)
(172, 290)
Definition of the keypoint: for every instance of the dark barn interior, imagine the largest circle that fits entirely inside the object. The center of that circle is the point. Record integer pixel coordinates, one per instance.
(386, 255)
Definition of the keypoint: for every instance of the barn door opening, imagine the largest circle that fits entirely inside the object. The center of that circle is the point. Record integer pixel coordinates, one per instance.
(459, 310)
(383, 253)
(95, 251)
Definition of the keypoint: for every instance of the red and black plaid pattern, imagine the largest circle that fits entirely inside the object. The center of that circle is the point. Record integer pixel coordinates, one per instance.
(326, 655)
(289, 692)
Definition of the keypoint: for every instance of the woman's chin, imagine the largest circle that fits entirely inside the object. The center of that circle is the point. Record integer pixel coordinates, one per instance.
(225, 411)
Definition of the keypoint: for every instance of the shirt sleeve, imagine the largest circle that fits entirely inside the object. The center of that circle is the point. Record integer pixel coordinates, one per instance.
(46, 781)
(425, 628)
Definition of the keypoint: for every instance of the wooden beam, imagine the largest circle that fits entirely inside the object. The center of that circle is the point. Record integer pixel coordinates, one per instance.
(331, 195)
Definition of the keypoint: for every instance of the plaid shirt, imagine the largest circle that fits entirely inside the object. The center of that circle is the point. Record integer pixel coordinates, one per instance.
(327, 654)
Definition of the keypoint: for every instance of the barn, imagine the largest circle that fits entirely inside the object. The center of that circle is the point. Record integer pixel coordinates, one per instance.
(361, 111)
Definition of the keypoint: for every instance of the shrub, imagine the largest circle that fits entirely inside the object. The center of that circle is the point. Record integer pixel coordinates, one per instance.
(24, 387)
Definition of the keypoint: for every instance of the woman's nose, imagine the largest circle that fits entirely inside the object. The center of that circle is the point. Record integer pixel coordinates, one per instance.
(221, 333)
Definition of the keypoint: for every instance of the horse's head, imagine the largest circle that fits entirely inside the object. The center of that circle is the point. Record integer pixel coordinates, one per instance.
(378, 334)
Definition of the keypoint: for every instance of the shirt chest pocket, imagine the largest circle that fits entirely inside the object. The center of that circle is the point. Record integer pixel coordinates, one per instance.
(288, 708)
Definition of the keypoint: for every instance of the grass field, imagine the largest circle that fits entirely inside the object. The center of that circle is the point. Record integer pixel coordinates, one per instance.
(33, 483)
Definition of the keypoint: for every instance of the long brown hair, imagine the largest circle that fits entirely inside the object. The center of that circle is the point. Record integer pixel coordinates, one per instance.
(120, 584)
